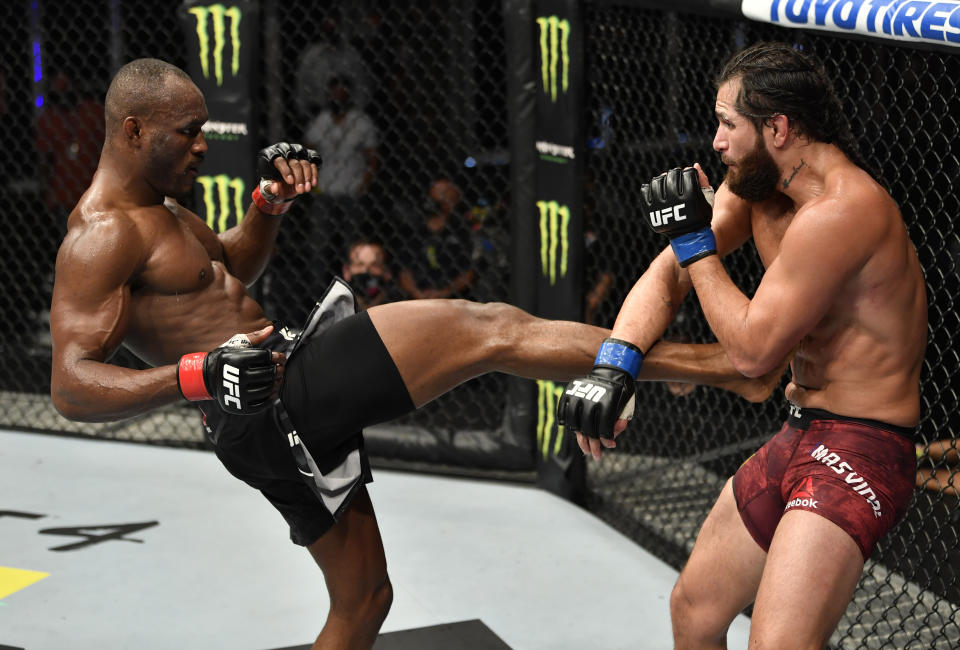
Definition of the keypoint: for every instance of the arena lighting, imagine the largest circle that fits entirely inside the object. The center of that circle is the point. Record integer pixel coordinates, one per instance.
(37, 60)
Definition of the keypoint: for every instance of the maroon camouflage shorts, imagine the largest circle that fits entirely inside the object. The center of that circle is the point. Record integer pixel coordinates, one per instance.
(857, 473)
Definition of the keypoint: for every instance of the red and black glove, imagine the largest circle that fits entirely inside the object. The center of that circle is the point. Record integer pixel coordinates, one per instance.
(241, 379)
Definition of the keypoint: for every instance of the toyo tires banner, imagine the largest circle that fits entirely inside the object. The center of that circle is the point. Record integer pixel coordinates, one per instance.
(221, 45)
(927, 22)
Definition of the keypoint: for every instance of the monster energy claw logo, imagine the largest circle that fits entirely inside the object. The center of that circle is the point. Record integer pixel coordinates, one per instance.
(218, 13)
(554, 239)
(217, 193)
(554, 54)
(548, 395)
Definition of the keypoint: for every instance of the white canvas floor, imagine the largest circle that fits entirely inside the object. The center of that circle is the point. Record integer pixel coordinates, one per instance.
(216, 570)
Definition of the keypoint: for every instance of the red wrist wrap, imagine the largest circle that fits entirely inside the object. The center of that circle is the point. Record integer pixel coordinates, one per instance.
(266, 206)
(190, 377)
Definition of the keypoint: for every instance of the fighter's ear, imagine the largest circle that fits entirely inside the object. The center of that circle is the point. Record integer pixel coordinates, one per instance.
(132, 129)
(780, 124)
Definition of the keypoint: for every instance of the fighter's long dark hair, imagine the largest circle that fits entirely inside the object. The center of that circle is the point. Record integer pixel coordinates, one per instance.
(777, 79)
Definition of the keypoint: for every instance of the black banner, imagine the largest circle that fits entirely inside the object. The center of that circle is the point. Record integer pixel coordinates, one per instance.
(559, 146)
(221, 44)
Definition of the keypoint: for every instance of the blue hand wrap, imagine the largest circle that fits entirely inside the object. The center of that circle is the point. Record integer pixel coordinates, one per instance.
(619, 355)
(694, 245)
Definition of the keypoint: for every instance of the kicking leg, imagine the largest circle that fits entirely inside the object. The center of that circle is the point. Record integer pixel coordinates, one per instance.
(352, 560)
(439, 344)
(719, 580)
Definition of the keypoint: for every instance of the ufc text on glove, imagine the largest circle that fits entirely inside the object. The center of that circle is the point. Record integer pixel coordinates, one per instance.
(239, 379)
(593, 404)
(675, 206)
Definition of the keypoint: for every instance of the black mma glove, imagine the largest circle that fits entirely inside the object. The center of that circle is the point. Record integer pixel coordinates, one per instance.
(268, 173)
(593, 404)
(240, 378)
(676, 207)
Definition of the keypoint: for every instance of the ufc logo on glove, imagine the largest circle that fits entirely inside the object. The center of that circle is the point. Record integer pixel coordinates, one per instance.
(661, 217)
(588, 391)
(231, 381)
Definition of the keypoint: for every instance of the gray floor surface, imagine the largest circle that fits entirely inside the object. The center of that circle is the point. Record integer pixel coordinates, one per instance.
(117, 545)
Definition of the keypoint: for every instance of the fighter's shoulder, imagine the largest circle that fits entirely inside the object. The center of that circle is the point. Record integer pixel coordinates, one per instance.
(101, 234)
(853, 200)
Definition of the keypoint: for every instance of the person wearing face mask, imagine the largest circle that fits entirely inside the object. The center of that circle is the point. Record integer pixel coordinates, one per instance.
(368, 273)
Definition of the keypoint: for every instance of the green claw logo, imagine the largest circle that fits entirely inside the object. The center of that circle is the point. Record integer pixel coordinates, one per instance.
(548, 395)
(217, 194)
(554, 54)
(217, 14)
(554, 239)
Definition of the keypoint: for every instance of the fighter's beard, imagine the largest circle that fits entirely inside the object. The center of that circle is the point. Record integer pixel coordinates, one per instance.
(755, 177)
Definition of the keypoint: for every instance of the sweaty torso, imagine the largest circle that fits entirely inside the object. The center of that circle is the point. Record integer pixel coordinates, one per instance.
(183, 299)
(863, 358)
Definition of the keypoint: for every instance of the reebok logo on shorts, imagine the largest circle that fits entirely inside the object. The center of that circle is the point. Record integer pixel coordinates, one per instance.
(804, 497)
(855, 481)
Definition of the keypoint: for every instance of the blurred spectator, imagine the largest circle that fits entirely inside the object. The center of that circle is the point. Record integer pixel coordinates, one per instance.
(347, 140)
(70, 132)
(330, 56)
(490, 249)
(437, 259)
(368, 272)
(598, 279)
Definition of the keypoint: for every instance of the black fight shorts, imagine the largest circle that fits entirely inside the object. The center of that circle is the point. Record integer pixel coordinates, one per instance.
(305, 454)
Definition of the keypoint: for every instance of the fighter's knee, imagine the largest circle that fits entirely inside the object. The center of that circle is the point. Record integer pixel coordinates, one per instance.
(680, 603)
(381, 600)
(695, 624)
(495, 326)
(496, 313)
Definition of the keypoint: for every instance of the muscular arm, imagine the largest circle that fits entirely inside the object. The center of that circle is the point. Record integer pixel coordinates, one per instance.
(707, 364)
(819, 252)
(248, 246)
(88, 318)
(653, 301)
(655, 298)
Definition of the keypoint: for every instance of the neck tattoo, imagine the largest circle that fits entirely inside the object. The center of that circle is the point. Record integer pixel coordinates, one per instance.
(796, 170)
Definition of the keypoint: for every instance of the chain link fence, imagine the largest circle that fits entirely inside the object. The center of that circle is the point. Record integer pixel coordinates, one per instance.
(423, 86)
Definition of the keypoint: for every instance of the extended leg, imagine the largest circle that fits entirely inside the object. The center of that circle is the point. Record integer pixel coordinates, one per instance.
(438, 344)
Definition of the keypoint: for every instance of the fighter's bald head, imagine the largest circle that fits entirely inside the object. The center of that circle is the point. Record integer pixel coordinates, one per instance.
(140, 88)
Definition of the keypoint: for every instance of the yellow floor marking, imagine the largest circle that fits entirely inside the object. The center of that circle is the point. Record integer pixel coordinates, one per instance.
(12, 580)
